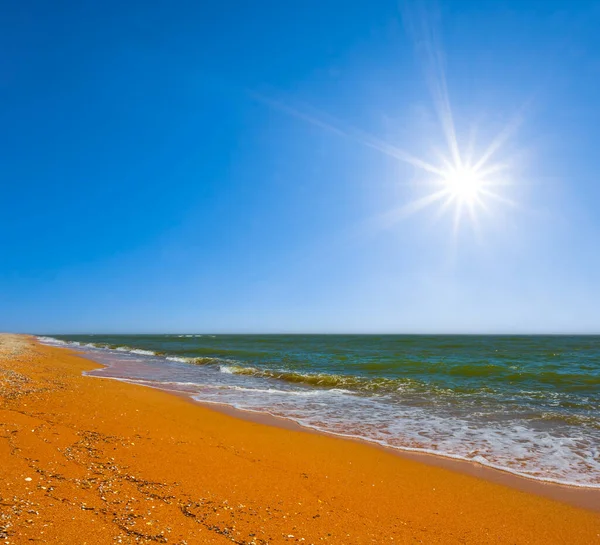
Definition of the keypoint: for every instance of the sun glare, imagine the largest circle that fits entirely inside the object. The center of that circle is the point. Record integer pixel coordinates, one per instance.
(461, 188)
(463, 183)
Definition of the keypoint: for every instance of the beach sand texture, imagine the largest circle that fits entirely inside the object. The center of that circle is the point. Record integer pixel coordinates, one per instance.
(85, 460)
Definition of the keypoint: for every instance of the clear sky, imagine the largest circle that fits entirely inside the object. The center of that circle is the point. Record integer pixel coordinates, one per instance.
(251, 166)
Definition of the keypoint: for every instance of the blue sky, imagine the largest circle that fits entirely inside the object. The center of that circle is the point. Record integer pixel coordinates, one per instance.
(239, 166)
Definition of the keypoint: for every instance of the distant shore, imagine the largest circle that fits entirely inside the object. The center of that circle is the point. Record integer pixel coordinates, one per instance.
(90, 460)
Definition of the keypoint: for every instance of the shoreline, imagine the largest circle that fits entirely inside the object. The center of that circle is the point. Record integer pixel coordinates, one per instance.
(578, 496)
(521, 423)
(106, 461)
(586, 497)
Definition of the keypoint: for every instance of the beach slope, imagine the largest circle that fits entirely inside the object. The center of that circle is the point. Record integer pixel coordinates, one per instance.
(92, 461)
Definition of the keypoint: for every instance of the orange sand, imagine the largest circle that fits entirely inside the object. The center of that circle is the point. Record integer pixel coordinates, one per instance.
(89, 460)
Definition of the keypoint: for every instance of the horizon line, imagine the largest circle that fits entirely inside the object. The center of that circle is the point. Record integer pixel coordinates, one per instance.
(475, 333)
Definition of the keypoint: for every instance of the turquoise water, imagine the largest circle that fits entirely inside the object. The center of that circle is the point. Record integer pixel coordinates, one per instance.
(525, 404)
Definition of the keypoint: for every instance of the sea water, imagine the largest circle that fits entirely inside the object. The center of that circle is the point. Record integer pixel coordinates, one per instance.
(529, 405)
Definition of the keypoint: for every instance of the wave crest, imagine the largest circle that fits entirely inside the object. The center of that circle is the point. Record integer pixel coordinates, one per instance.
(322, 380)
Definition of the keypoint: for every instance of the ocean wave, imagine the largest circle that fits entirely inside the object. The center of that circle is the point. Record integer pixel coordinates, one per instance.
(202, 360)
(515, 379)
(194, 361)
(570, 382)
(322, 380)
(275, 391)
(130, 350)
(50, 340)
(142, 352)
(233, 388)
(479, 376)
(396, 386)
(573, 419)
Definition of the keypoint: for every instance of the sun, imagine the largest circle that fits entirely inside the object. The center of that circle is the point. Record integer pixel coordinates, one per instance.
(464, 184)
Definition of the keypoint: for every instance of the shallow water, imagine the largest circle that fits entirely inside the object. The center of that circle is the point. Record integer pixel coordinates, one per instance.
(525, 404)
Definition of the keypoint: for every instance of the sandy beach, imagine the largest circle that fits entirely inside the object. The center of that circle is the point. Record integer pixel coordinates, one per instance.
(90, 460)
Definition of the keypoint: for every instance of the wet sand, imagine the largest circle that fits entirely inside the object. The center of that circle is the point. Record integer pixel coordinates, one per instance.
(91, 460)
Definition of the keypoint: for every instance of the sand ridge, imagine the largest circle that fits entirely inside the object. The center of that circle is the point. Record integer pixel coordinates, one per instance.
(89, 460)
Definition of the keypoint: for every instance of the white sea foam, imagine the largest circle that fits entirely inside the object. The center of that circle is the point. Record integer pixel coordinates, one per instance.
(127, 349)
(51, 341)
(142, 352)
(275, 391)
(157, 383)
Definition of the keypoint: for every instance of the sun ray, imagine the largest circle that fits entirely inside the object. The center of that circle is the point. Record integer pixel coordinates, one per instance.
(499, 141)
(443, 208)
(426, 37)
(327, 123)
(499, 198)
(464, 183)
(457, 218)
(475, 224)
(492, 169)
(482, 204)
(470, 151)
(394, 216)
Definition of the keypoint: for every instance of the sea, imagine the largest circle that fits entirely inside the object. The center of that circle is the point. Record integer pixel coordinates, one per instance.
(528, 405)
